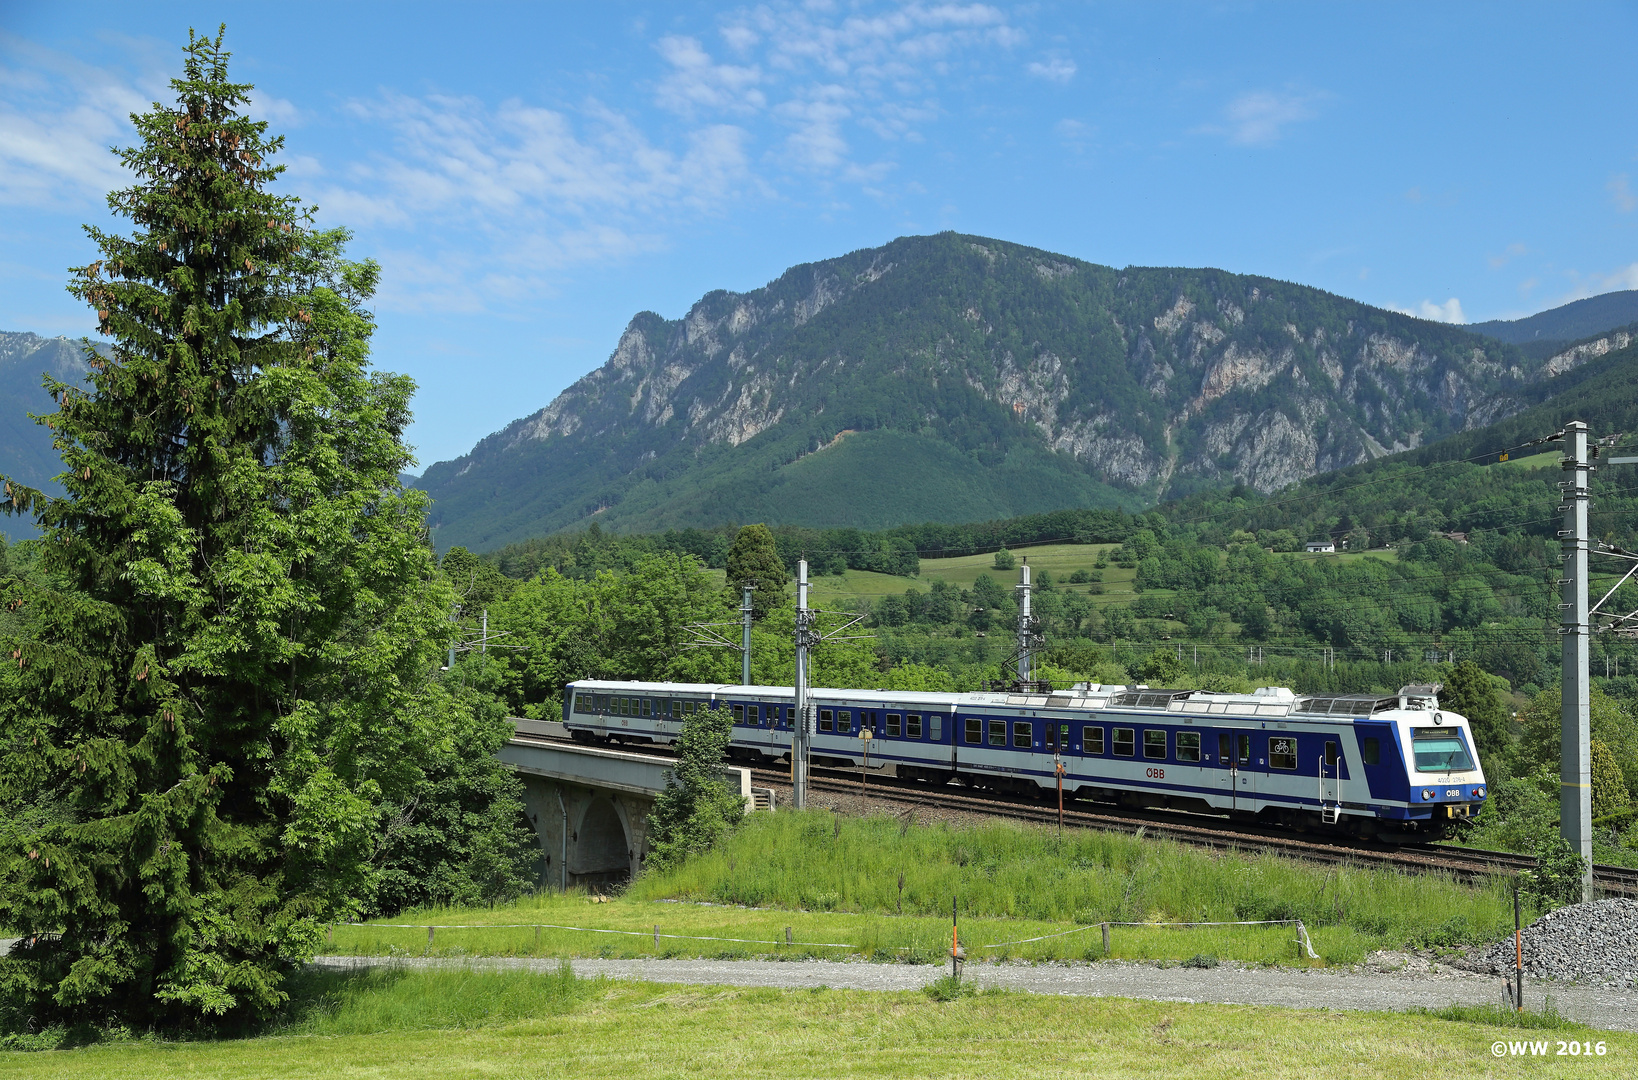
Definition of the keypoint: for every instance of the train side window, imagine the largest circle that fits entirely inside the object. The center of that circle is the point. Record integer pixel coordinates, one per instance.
(1188, 746)
(625, 706)
(1245, 749)
(1154, 743)
(1022, 733)
(1092, 740)
(827, 720)
(1282, 752)
(739, 714)
(998, 733)
(676, 709)
(1372, 751)
(1125, 742)
(975, 730)
(935, 725)
(844, 721)
(648, 706)
(1057, 738)
(1225, 747)
(1330, 755)
(750, 715)
(912, 726)
(580, 703)
(892, 725)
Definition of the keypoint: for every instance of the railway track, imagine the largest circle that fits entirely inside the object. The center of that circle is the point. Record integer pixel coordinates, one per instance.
(1467, 864)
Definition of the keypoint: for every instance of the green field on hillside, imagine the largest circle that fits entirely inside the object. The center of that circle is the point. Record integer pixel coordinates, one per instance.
(1061, 559)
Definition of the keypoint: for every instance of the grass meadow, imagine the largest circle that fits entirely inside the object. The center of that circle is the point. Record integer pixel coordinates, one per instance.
(835, 881)
(399, 1023)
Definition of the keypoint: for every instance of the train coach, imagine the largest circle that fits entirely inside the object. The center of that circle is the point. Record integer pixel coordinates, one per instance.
(1396, 767)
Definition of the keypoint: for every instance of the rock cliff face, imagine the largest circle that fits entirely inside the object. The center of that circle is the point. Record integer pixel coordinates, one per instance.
(1147, 381)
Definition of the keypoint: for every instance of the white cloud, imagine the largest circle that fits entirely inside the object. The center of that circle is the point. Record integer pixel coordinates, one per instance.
(456, 153)
(1448, 312)
(1259, 117)
(697, 83)
(529, 190)
(1512, 252)
(1620, 189)
(58, 118)
(1053, 69)
(278, 112)
(817, 141)
(823, 71)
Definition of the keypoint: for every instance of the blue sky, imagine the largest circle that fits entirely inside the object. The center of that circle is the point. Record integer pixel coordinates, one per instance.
(532, 175)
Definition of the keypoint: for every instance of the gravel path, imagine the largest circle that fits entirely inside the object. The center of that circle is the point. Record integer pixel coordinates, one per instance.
(1228, 983)
(1409, 982)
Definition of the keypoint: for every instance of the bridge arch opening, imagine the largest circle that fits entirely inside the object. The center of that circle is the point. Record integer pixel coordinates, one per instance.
(602, 847)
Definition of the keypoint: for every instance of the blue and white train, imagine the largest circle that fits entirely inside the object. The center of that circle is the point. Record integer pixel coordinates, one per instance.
(1396, 767)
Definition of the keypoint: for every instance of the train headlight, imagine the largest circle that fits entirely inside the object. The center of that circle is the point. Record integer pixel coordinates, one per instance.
(1478, 793)
(1427, 793)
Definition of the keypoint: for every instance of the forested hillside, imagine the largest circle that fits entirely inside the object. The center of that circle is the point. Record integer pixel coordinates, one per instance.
(25, 447)
(958, 378)
(1577, 319)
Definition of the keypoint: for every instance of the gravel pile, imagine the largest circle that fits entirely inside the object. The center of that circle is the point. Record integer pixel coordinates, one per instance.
(1594, 943)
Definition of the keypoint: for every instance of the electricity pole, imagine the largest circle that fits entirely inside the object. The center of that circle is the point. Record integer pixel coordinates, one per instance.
(745, 635)
(1575, 765)
(808, 637)
(1025, 627)
(800, 736)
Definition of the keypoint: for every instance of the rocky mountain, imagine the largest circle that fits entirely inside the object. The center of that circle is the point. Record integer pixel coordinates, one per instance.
(955, 378)
(26, 452)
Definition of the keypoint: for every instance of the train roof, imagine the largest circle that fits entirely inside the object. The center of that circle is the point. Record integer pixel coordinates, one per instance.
(1264, 701)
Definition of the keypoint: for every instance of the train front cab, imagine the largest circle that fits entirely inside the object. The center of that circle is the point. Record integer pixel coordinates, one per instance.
(1429, 778)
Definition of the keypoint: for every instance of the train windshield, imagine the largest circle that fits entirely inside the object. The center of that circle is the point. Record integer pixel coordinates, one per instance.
(1439, 751)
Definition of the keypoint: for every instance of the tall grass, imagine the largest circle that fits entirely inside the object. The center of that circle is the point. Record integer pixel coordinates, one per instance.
(816, 862)
(330, 1002)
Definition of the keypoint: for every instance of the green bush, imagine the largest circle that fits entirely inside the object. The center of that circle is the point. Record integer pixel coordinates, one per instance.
(697, 808)
(948, 988)
(1556, 880)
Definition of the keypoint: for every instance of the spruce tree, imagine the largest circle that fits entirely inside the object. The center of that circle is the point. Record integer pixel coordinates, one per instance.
(1471, 693)
(225, 670)
(754, 560)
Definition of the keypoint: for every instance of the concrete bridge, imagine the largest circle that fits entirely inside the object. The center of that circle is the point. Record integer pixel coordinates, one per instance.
(590, 804)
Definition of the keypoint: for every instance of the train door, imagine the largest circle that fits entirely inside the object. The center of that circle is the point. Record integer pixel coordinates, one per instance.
(1330, 784)
(769, 735)
(1237, 771)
